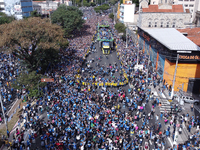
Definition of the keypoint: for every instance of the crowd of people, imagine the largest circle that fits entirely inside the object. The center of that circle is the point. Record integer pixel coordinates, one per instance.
(9, 70)
(111, 118)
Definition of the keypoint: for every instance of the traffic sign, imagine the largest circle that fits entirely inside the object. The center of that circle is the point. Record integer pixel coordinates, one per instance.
(47, 80)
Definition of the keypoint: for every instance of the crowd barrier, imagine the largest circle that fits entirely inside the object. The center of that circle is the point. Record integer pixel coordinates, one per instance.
(112, 84)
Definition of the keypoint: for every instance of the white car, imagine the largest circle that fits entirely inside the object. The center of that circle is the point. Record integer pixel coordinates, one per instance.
(188, 99)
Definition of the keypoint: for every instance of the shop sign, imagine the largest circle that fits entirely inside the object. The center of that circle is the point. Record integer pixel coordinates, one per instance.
(192, 57)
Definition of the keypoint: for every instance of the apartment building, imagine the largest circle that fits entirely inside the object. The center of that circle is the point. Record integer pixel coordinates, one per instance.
(18, 8)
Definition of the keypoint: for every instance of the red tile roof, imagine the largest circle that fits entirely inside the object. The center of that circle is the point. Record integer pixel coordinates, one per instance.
(154, 8)
(193, 34)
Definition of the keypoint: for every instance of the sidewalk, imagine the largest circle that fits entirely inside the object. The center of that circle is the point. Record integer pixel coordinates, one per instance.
(186, 109)
(18, 125)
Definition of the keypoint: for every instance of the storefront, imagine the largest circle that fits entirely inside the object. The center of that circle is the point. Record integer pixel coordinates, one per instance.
(162, 46)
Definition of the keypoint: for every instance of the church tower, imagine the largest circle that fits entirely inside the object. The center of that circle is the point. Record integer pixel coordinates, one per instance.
(143, 4)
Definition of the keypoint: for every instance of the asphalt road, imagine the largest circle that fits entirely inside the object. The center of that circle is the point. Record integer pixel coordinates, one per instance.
(106, 60)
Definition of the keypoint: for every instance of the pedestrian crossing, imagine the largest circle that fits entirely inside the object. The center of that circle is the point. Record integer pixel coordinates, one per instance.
(165, 105)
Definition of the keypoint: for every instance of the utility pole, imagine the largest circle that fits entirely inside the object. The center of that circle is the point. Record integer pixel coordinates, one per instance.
(172, 94)
(126, 38)
(3, 113)
(147, 69)
(114, 14)
(38, 88)
(138, 50)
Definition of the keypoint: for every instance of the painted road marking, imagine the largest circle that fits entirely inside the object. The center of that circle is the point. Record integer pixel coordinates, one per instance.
(150, 142)
(170, 141)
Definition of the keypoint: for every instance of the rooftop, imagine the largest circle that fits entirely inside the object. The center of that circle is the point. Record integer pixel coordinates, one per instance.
(193, 34)
(155, 8)
(172, 39)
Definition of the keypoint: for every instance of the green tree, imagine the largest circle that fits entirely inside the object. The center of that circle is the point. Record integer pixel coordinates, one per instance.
(30, 81)
(5, 19)
(120, 27)
(32, 40)
(92, 4)
(100, 8)
(35, 14)
(111, 16)
(113, 2)
(136, 2)
(69, 17)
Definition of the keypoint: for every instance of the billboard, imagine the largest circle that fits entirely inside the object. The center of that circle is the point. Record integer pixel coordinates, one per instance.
(13, 7)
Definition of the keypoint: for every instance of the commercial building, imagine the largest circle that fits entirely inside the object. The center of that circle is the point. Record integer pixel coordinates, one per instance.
(18, 8)
(127, 11)
(163, 16)
(191, 33)
(163, 46)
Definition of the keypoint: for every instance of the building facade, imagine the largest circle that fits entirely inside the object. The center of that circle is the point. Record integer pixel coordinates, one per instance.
(18, 8)
(2, 6)
(38, 8)
(192, 5)
(163, 46)
(156, 17)
(127, 11)
(47, 7)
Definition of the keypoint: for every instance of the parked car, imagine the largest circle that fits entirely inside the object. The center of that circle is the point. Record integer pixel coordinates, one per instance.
(188, 99)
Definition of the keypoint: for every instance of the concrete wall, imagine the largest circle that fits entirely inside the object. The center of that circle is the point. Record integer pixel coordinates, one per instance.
(129, 11)
(166, 18)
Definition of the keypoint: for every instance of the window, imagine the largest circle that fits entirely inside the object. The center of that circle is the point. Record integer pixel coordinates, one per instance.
(191, 5)
(191, 0)
(180, 0)
(186, 5)
(149, 24)
(161, 24)
(167, 25)
(155, 24)
(186, 0)
(174, 25)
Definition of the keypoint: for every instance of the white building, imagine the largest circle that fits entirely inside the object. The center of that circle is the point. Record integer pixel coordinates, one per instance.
(2, 6)
(38, 8)
(48, 6)
(163, 16)
(127, 12)
(191, 5)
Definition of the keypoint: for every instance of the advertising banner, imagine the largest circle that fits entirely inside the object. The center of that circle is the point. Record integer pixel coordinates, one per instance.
(154, 57)
(161, 64)
(13, 7)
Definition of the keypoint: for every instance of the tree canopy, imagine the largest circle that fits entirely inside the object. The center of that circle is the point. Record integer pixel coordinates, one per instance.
(111, 16)
(69, 17)
(33, 40)
(29, 81)
(5, 19)
(120, 27)
(100, 8)
(35, 14)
